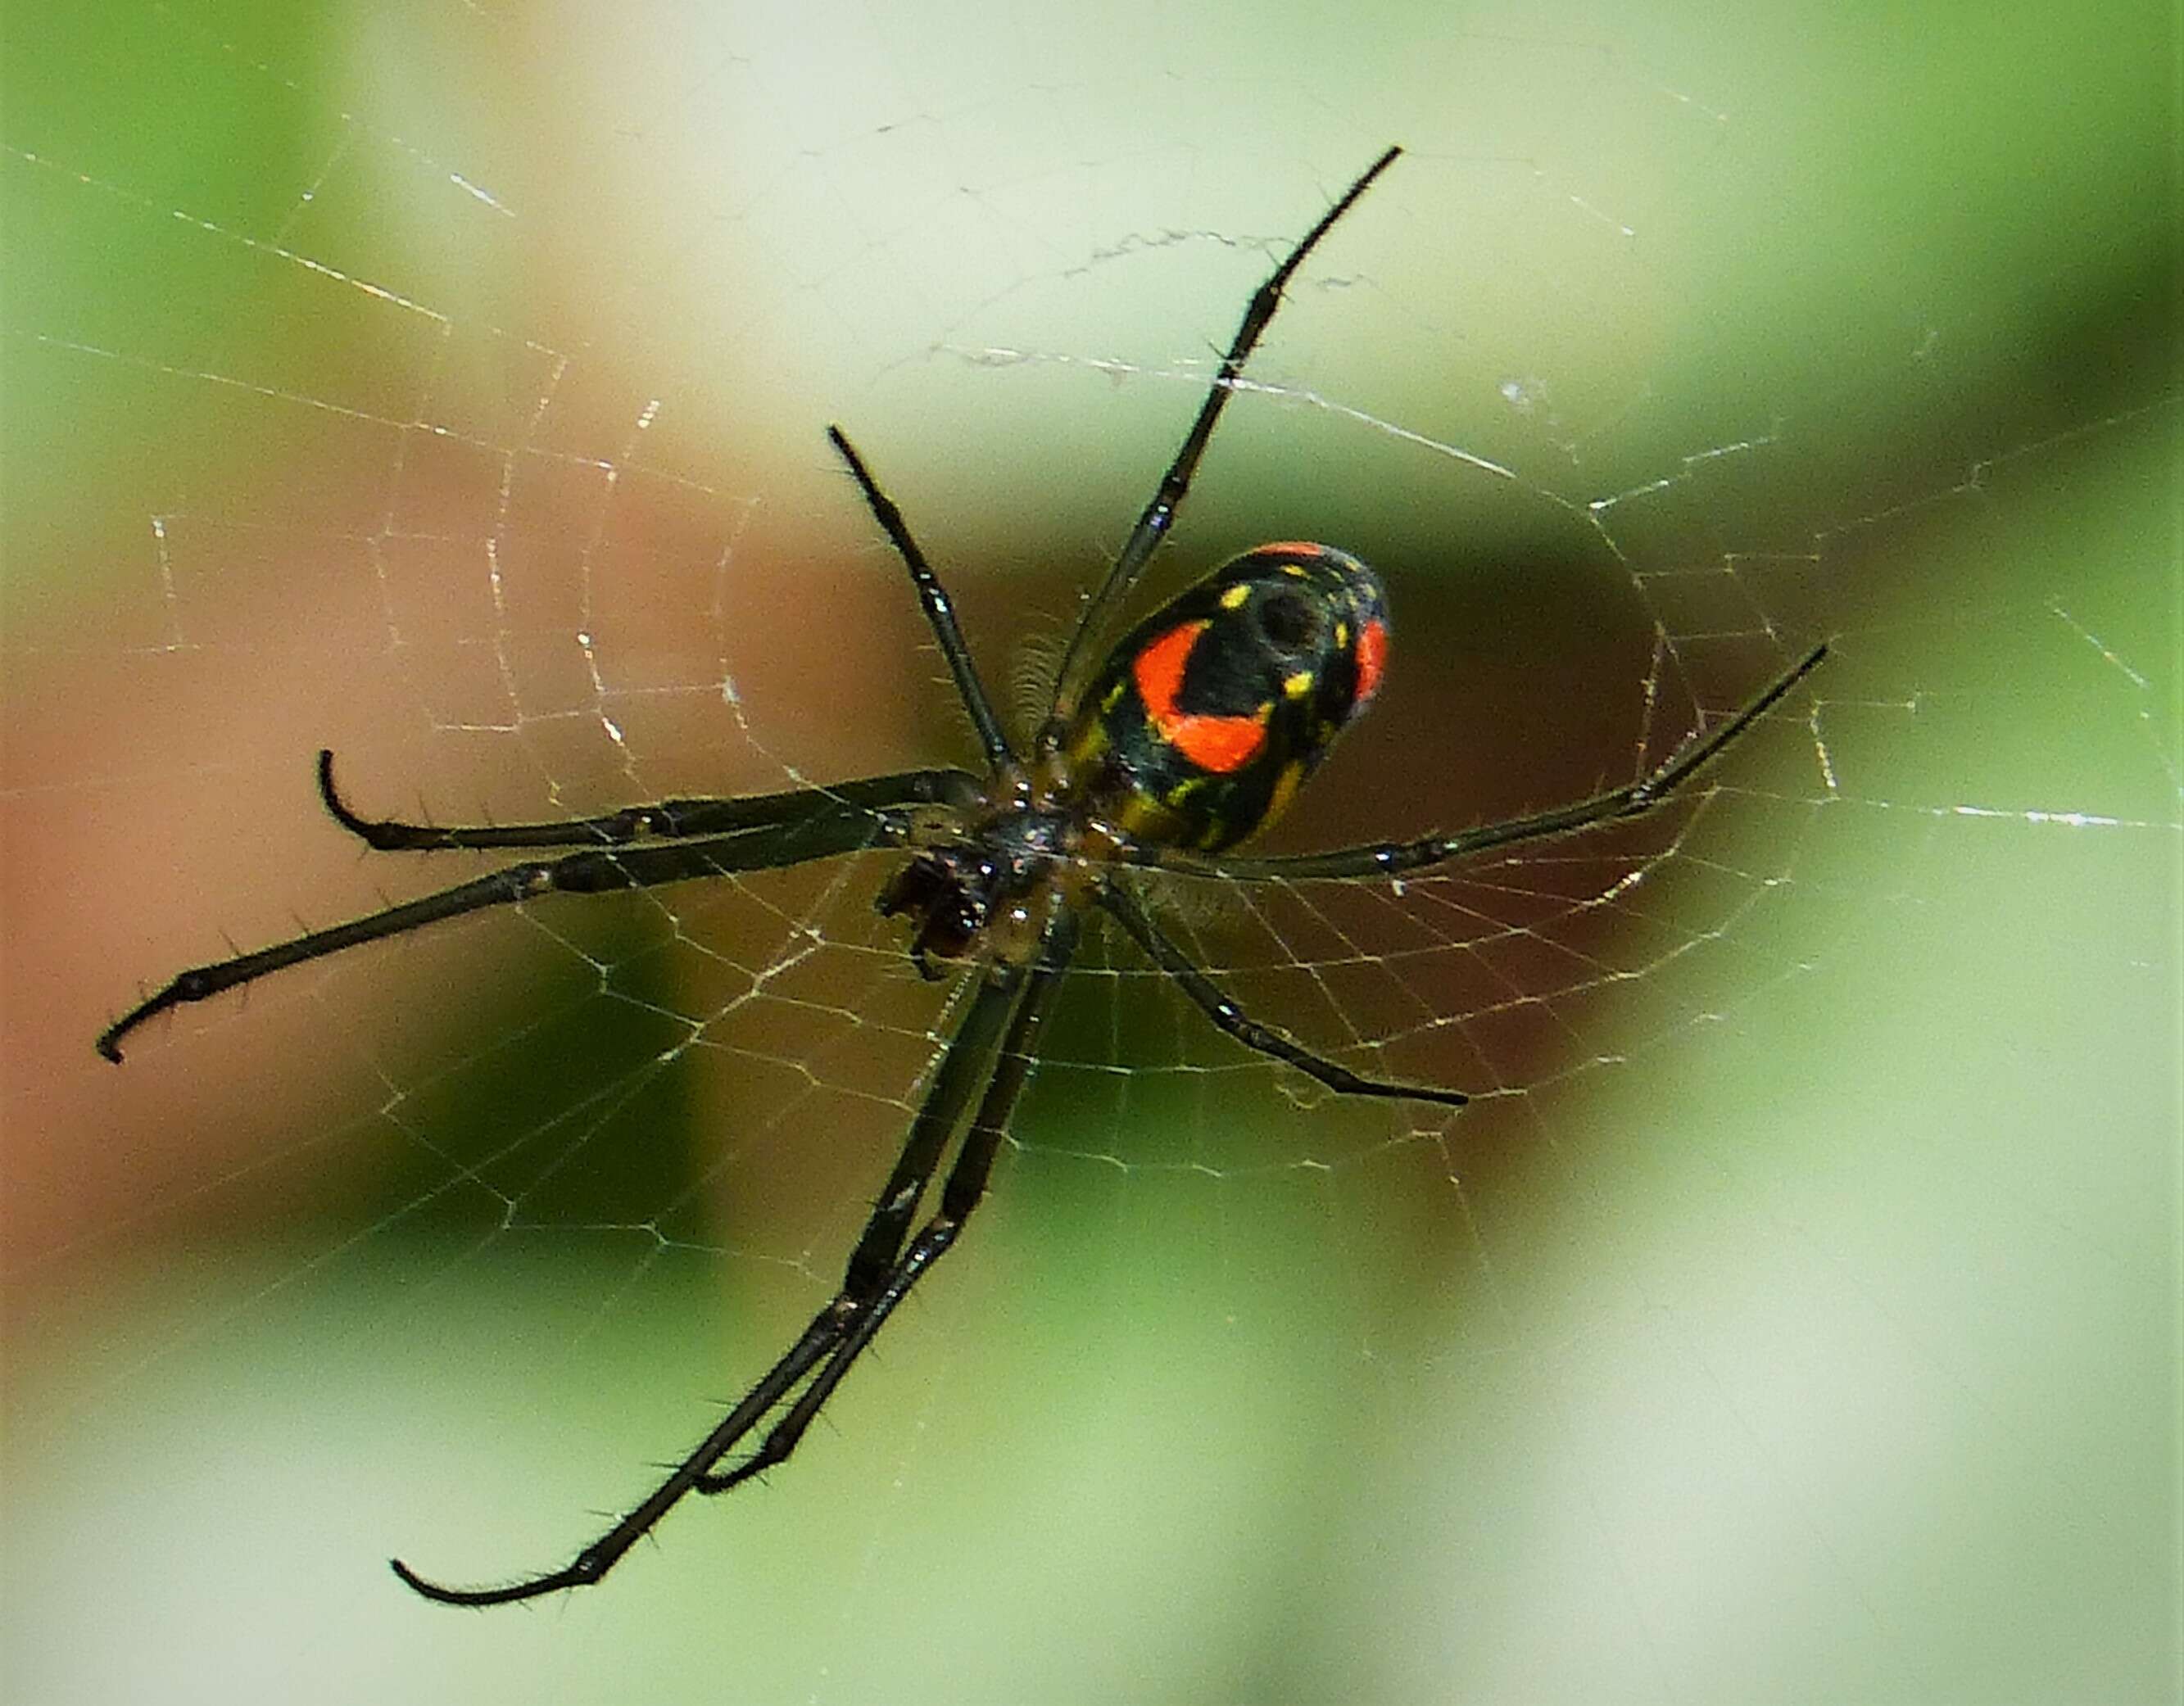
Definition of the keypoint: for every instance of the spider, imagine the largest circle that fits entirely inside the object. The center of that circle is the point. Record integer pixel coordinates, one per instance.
(1192, 732)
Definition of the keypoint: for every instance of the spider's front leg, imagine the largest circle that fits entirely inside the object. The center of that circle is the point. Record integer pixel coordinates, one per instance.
(986, 1062)
(821, 833)
(867, 1300)
(668, 820)
(637, 847)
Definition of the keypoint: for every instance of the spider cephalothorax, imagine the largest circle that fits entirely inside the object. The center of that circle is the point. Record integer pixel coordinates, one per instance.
(989, 888)
(1195, 730)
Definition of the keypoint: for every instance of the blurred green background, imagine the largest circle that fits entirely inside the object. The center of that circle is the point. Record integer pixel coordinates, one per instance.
(1802, 1321)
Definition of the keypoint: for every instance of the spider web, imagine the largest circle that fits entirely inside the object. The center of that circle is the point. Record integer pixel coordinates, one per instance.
(1792, 1314)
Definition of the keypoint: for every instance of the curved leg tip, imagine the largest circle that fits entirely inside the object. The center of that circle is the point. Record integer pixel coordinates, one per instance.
(577, 1575)
(430, 1589)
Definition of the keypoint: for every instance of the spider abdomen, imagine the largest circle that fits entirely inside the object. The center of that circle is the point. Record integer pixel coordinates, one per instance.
(1209, 713)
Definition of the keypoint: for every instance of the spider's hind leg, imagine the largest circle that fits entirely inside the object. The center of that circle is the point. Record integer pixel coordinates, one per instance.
(1159, 513)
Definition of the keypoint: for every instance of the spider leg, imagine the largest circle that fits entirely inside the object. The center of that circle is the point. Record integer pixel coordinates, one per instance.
(834, 829)
(990, 1049)
(602, 1554)
(1152, 524)
(964, 1189)
(940, 611)
(667, 818)
(1124, 908)
(1394, 859)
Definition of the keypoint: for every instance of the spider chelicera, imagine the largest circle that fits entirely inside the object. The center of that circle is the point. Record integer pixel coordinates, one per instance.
(1194, 732)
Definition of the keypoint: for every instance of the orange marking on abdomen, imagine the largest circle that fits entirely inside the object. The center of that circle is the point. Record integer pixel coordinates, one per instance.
(1218, 744)
(1372, 660)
